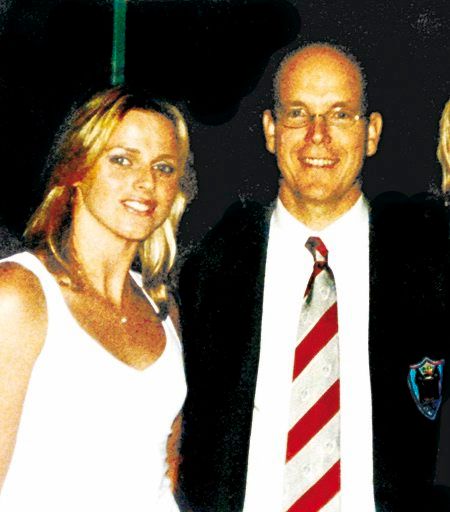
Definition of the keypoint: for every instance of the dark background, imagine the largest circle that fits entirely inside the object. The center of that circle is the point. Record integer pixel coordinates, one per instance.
(212, 55)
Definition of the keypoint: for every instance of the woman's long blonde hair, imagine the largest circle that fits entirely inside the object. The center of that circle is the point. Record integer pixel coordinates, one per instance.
(443, 149)
(78, 146)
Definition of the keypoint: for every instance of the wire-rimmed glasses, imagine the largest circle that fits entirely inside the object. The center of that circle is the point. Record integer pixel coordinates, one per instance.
(299, 117)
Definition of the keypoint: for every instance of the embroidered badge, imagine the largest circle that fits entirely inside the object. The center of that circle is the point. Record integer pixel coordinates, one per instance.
(425, 384)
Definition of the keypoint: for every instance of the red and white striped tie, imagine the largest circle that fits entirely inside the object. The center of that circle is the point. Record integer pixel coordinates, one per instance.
(312, 472)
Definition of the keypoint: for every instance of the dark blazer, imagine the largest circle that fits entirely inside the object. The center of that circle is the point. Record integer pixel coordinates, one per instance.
(221, 292)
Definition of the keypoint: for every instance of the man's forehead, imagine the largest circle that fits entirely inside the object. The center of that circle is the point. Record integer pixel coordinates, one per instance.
(319, 68)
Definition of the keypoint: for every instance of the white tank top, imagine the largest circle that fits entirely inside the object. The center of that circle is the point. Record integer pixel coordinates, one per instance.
(93, 431)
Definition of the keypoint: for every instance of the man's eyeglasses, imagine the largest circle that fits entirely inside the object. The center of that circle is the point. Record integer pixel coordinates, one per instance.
(299, 117)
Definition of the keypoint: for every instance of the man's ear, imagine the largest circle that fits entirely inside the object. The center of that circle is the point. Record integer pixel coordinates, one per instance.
(373, 133)
(269, 130)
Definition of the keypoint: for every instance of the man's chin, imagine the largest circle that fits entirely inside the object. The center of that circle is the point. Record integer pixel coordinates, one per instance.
(316, 194)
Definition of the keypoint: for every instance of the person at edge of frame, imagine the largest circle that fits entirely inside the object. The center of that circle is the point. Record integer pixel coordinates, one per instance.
(443, 149)
(241, 296)
(443, 155)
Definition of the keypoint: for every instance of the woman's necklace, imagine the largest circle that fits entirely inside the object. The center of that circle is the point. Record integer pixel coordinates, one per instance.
(105, 304)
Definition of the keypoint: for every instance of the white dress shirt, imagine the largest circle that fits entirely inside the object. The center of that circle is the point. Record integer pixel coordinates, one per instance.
(288, 268)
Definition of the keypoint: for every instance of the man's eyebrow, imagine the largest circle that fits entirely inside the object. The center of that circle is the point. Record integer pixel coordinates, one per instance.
(341, 104)
(291, 104)
(166, 156)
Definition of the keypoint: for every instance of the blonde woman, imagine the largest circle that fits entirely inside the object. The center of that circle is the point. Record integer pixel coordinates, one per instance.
(91, 370)
(443, 149)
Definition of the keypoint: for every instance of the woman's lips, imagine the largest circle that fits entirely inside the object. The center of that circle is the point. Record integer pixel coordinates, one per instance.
(140, 207)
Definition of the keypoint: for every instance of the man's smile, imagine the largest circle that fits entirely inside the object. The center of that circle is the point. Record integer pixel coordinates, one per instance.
(319, 162)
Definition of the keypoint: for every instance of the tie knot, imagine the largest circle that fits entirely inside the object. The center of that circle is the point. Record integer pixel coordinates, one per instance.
(317, 248)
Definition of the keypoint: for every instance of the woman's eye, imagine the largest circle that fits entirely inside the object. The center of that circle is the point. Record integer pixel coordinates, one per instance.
(164, 168)
(120, 160)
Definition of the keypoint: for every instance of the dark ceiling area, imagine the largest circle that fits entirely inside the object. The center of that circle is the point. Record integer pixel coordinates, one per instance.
(215, 57)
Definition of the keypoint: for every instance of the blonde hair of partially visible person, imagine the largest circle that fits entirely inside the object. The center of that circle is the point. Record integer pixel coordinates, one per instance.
(443, 149)
(78, 146)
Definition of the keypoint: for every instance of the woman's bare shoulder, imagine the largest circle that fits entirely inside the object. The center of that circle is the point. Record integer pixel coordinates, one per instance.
(23, 311)
(23, 327)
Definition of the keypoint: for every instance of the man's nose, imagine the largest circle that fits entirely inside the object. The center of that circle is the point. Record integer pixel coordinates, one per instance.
(317, 132)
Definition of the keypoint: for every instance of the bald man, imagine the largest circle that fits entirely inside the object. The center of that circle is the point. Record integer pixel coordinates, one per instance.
(314, 365)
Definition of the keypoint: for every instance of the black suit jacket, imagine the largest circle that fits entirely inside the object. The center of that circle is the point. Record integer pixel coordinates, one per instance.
(221, 291)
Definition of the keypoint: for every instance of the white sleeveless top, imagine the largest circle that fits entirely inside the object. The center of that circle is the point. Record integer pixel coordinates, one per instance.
(93, 431)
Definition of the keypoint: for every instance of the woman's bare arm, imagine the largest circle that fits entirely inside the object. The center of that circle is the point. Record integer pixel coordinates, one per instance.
(23, 326)
(173, 442)
(174, 314)
(173, 451)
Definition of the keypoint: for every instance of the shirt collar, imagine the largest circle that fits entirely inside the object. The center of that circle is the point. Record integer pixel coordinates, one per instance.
(347, 229)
